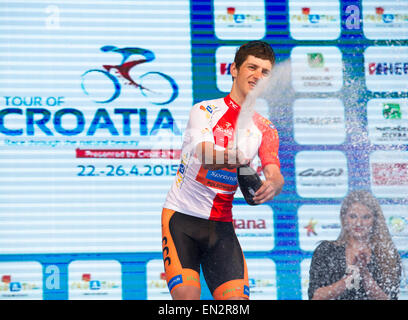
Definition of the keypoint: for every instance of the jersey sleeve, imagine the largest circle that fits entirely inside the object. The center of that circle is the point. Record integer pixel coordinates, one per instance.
(199, 128)
(269, 147)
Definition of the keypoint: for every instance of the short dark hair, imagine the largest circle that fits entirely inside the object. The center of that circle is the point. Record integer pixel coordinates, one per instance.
(258, 49)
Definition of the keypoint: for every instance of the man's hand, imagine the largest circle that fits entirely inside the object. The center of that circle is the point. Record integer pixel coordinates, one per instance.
(266, 192)
(272, 186)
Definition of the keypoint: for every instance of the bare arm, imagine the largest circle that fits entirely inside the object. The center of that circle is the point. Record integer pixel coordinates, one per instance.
(372, 288)
(370, 285)
(330, 292)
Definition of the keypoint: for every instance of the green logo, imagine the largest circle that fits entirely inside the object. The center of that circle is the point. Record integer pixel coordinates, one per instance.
(315, 60)
(391, 111)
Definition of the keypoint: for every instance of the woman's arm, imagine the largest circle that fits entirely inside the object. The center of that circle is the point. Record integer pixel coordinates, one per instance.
(371, 287)
(332, 291)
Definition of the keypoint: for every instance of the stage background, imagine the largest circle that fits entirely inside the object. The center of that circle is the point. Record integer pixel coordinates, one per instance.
(81, 182)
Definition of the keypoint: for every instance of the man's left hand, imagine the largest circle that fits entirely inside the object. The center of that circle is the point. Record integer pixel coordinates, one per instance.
(265, 193)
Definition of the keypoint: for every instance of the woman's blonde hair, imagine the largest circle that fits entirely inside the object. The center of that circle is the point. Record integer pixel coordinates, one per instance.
(381, 242)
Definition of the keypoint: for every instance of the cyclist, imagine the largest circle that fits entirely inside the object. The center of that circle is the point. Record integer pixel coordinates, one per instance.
(197, 226)
(124, 67)
(158, 95)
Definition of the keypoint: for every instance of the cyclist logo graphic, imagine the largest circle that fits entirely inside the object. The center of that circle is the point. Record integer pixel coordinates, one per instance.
(103, 85)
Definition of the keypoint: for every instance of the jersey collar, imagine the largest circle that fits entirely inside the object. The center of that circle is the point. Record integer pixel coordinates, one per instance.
(231, 103)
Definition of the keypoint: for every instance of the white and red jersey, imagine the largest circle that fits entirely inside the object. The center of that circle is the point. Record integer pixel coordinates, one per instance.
(208, 194)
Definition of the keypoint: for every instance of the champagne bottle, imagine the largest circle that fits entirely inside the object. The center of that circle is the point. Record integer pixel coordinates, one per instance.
(249, 182)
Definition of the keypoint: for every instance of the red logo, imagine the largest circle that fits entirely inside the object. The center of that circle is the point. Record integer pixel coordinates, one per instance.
(6, 279)
(225, 68)
(86, 277)
(231, 10)
(249, 224)
(390, 174)
(379, 10)
(306, 11)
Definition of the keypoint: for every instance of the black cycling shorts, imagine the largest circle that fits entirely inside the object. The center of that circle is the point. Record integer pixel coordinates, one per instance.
(190, 242)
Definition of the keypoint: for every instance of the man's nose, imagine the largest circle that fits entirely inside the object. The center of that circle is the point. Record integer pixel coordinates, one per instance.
(258, 74)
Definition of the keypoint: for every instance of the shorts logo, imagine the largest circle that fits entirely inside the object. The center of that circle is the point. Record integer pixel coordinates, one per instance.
(175, 281)
(166, 258)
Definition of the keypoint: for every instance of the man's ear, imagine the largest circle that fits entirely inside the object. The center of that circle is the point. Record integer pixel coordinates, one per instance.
(233, 70)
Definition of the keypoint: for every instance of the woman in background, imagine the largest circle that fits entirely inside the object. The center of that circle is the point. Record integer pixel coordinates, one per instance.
(363, 263)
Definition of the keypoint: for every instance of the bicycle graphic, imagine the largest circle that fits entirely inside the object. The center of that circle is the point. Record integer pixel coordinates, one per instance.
(103, 85)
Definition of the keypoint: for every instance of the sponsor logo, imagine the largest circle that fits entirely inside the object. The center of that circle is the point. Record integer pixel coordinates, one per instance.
(8, 285)
(316, 70)
(308, 22)
(310, 228)
(390, 174)
(319, 121)
(388, 21)
(392, 134)
(233, 17)
(391, 111)
(379, 16)
(175, 281)
(315, 60)
(386, 68)
(225, 68)
(239, 17)
(312, 172)
(260, 283)
(247, 224)
(159, 88)
(306, 16)
(397, 224)
(331, 226)
(222, 176)
(386, 122)
(166, 251)
(321, 174)
(314, 125)
(87, 283)
(182, 170)
(223, 59)
(159, 283)
(209, 110)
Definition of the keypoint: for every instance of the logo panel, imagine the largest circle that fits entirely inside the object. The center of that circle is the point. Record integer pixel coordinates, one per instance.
(98, 279)
(314, 20)
(21, 281)
(318, 223)
(385, 19)
(389, 173)
(317, 69)
(254, 227)
(262, 279)
(224, 56)
(239, 20)
(321, 174)
(388, 121)
(386, 68)
(314, 124)
(396, 217)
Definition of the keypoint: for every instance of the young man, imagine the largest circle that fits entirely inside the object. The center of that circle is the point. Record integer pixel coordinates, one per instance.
(197, 226)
